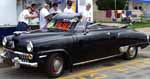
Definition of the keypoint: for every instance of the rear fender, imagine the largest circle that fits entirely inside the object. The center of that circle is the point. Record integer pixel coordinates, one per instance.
(133, 39)
(133, 36)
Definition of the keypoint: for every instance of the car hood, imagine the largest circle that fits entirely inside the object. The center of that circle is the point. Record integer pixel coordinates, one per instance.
(41, 36)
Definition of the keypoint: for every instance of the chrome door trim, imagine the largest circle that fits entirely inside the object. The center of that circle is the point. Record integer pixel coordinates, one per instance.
(80, 63)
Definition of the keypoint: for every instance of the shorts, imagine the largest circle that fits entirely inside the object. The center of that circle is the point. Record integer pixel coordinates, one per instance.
(22, 26)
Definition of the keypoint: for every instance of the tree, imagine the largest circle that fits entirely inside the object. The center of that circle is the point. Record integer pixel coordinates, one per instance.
(110, 4)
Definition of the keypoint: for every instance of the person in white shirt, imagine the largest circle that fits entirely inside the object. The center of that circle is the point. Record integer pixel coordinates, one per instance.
(24, 18)
(34, 10)
(44, 12)
(68, 8)
(55, 9)
(87, 15)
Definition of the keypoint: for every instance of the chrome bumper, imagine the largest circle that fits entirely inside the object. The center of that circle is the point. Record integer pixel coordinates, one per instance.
(18, 61)
(148, 38)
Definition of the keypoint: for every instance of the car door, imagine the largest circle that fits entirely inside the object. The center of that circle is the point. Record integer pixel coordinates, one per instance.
(113, 42)
(91, 45)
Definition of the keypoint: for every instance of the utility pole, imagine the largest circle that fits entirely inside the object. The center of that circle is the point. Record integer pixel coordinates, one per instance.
(115, 4)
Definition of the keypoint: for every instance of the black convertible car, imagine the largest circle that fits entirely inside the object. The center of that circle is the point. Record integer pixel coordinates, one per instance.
(71, 41)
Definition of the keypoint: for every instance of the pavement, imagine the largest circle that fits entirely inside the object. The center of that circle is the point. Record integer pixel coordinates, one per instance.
(144, 30)
(115, 68)
(136, 69)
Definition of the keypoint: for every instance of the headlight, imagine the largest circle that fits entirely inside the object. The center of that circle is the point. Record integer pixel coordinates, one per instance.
(4, 42)
(30, 56)
(30, 47)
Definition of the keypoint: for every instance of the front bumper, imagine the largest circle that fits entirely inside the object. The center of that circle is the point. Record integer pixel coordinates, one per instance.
(18, 61)
(15, 57)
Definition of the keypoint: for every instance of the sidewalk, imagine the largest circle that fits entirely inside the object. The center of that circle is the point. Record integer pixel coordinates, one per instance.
(144, 30)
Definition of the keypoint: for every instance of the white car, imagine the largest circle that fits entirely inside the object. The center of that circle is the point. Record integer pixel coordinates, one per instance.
(135, 18)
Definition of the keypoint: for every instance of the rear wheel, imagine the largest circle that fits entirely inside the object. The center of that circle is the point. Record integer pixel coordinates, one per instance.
(55, 65)
(131, 53)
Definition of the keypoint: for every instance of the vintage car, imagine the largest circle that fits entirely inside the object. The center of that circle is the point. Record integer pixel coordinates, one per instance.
(70, 41)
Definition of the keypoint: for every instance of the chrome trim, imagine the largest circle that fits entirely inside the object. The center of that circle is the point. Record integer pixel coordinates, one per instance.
(19, 53)
(148, 39)
(4, 41)
(53, 50)
(22, 55)
(16, 60)
(42, 56)
(96, 60)
(20, 62)
(3, 55)
(108, 33)
(30, 46)
(123, 49)
(16, 52)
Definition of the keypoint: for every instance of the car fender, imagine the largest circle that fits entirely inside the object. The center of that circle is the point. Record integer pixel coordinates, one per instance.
(132, 35)
(62, 51)
(133, 38)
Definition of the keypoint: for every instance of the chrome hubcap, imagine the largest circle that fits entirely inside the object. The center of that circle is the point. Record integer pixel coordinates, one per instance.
(57, 66)
(132, 51)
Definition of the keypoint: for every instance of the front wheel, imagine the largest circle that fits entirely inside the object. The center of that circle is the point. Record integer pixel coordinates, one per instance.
(55, 65)
(131, 53)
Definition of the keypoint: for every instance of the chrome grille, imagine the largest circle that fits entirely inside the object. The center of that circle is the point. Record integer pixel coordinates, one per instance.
(11, 54)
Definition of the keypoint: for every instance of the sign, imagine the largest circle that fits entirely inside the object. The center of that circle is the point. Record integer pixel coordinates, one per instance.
(74, 5)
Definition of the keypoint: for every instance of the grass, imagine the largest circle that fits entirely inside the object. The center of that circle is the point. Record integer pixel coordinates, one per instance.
(135, 25)
(140, 25)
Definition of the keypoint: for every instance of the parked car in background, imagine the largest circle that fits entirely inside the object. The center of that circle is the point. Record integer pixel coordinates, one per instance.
(71, 41)
(135, 19)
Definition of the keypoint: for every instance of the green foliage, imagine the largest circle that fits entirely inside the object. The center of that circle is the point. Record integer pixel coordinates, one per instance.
(140, 25)
(110, 4)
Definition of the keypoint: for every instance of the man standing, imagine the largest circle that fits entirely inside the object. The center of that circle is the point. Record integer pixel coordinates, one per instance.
(34, 10)
(44, 12)
(68, 9)
(55, 9)
(24, 18)
(87, 15)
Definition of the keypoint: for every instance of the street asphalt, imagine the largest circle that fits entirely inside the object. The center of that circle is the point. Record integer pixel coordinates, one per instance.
(115, 68)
